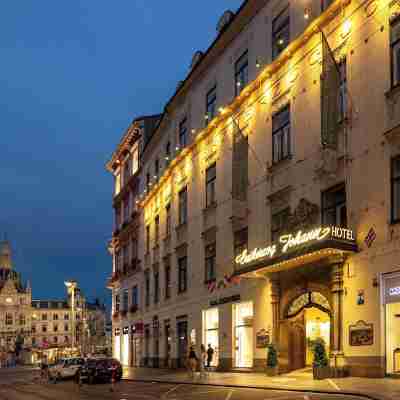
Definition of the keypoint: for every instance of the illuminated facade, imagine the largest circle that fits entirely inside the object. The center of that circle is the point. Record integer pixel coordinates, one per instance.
(266, 211)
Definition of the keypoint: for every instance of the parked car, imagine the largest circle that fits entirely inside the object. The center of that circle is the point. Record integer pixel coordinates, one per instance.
(99, 370)
(66, 368)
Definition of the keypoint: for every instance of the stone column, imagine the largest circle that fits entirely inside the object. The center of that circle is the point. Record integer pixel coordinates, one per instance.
(275, 300)
(336, 347)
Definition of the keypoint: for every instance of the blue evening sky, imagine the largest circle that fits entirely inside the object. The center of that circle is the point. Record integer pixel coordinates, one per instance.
(73, 74)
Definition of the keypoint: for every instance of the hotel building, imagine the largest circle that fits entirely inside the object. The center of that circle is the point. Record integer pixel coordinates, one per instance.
(262, 205)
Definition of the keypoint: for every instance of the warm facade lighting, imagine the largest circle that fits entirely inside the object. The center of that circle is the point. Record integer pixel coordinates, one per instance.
(346, 28)
(306, 13)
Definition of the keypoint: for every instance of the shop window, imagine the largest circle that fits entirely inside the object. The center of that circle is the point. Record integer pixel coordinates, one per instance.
(395, 189)
(182, 274)
(183, 133)
(334, 211)
(240, 241)
(183, 206)
(210, 256)
(279, 223)
(241, 72)
(211, 176)
(281, 146)
(280, 32)
(211, 104)
(395, 51)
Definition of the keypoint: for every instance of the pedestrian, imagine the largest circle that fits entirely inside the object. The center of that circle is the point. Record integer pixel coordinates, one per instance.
(203, 358)
(210, 355)
(192, 362)
(113, 378)
(78, 379)
(44, 371)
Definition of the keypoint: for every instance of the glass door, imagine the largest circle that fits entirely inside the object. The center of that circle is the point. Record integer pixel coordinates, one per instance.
(393, 338)
(244, 335)
(210, 333)
(182, 343)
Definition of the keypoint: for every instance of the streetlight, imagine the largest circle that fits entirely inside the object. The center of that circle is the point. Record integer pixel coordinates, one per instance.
(71, 287)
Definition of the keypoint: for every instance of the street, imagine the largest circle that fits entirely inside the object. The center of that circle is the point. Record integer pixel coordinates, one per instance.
(17, 384)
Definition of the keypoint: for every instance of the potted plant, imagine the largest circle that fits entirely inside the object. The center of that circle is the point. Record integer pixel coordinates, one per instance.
(272, 360)
(321, 369)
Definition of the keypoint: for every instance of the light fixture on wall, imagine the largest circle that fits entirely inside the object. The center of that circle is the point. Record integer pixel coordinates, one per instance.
(258, 64)
(306, 13)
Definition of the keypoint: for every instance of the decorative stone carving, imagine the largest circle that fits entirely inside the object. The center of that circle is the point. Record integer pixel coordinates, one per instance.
(304, 215)
(225, 20)
(327, 164)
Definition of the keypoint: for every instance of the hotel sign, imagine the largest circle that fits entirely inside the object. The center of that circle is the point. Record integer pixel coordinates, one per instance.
(295, 241)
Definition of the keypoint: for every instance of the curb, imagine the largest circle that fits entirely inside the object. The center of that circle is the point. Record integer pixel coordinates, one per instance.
(286, 389)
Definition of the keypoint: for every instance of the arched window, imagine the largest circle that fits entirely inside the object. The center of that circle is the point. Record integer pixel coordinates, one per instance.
(308, 300)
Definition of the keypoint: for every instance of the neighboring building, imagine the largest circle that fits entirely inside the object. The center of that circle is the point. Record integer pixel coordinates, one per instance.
(269, 202)
(45, 327)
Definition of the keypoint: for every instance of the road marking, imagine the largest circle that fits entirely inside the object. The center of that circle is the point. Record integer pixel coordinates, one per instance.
(334, 385)
(229, 395)
(166, 394)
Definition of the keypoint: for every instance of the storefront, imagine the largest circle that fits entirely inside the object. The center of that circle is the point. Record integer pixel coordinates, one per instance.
(125, 347)
(117, 344)
(244, 333)
(182, 334)
(211, 332)
(391, 300)
(167, 343)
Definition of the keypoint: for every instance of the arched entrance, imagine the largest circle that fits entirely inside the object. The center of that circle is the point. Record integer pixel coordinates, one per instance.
(307, 318)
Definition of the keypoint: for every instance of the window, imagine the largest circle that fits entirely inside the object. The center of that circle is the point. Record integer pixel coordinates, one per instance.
(66, 339)
(44, 317)
(117, 303)
(210, 254)
(9, 319)
(148, 180)
(126, 208)
(167, 281)
(147, 238)
(395, 50)
(33, 341)
(66, 327)
(241, 73)
(127, 170)
(211, 104)
(240, 241)
(279, 223)
(125, 300)
(134, 250)
(55, 328)
(125, 257)
(334, 210)
(117, 217)
(395, 189)
(183, 131)
(135, 159)
(342, 90)
(281, 135)
(117, 184)
(55, 317)
(156, 168)
(168, 219)
(183, 206)
(55, 339)
(280, 32)
(211, 175)
(157, 229)
(182, 274)
(66, 317)
(22, 319)
(135, 296)
(167, 152)
(33, 328)
(147, 287)
(156, 286)
(44, 329)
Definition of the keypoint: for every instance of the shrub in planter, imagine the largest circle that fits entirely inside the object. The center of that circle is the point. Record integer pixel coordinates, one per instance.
(272, 360)
(321, 369)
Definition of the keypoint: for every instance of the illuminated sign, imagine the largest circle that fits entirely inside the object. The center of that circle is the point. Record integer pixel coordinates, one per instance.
(294, 241)
(394, 291)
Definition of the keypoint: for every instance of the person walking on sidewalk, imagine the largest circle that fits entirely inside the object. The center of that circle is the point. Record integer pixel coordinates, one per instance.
(203, 359)
(192, 362)
(210, 355)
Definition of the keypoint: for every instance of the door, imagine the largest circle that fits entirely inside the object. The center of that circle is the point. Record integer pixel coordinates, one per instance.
(297, 346)
(182, 343)
(244, 347)
(167, 345)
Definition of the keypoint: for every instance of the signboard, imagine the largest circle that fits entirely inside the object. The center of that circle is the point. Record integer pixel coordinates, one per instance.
(295, 241)
(361, 334)
(262, 339)
(125, 330)
(391, 289)
(224, 300)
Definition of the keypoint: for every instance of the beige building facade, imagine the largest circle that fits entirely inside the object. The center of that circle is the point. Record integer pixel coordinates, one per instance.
(266, 204)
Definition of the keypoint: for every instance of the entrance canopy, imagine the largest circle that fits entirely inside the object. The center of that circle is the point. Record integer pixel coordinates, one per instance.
(296, 249)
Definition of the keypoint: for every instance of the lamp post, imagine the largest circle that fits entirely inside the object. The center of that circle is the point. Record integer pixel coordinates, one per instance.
(71, 287)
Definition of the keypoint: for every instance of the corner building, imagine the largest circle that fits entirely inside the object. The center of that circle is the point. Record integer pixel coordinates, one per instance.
(266, 199)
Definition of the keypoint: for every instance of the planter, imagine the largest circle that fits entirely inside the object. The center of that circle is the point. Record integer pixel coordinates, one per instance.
(321, 372)
(272, 371)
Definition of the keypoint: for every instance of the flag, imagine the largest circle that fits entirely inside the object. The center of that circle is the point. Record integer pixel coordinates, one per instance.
(370, 238)
(240, 163)
(330, 90)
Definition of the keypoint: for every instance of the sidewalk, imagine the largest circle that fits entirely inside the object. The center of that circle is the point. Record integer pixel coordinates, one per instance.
(377, 389)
